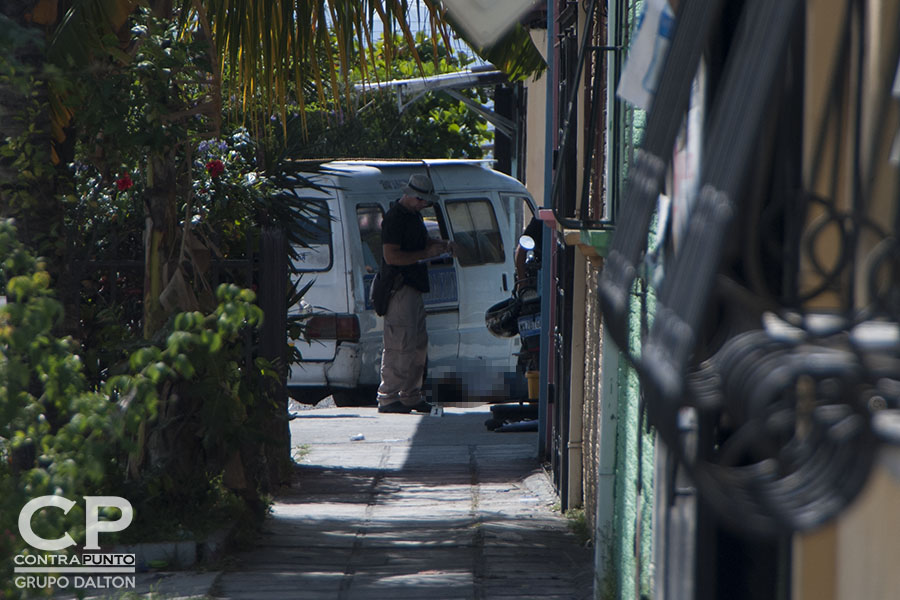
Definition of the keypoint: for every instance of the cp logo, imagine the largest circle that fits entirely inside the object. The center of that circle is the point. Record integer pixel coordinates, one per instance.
(92, 523)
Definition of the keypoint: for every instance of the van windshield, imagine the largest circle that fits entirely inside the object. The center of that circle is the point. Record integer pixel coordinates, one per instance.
(315, 230)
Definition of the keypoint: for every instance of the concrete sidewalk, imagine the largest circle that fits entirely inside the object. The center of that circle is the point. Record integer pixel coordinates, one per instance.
(409, 506)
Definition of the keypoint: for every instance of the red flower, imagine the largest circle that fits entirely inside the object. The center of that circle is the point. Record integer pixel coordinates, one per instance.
(215, 167)
(124, 182)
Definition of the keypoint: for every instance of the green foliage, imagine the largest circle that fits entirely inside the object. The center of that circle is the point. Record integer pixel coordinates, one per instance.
(201, 381)
(199, 374)
(516, 55)
(578, 524)
(55, 437)
(155, 107)
(228, 207)
(129, 109)
(202, 357)
(154, 100)
(28, 178)
(153, 97)
(434, 125)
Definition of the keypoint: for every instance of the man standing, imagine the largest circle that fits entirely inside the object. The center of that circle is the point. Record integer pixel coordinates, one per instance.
(405, 247)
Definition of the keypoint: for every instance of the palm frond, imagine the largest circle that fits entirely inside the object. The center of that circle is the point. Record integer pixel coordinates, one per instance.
(85, 30)
(82, 29)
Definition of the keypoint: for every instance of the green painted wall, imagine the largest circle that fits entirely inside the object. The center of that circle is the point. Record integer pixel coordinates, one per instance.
(634, 475)
(624, 533)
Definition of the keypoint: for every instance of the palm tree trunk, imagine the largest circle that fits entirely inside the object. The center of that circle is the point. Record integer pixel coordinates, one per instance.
(160, 235)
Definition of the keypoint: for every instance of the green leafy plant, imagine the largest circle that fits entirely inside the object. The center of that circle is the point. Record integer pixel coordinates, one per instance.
(59, 437)
(56, 437)
(204, 387)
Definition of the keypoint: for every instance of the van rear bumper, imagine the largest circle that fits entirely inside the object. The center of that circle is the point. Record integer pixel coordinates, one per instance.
(340, 372)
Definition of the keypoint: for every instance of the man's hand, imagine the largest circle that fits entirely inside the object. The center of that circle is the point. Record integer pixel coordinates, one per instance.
(438, 247)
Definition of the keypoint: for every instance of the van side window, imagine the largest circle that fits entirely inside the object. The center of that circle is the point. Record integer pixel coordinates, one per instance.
(475, 232)
(437, 229)
(369, 218)
(520, 213)
(315, 231)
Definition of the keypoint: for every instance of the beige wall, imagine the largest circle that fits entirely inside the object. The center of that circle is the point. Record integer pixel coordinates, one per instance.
(855, 557)
(536, 126)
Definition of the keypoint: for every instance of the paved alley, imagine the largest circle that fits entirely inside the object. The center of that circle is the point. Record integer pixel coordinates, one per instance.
(409, 506)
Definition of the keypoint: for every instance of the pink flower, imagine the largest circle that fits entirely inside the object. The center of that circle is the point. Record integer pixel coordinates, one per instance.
(124, 182)
(215, 167)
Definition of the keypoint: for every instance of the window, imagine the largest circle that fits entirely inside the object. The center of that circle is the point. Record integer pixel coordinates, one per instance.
(437, 229)
(520, 213)
(475, 232)
(369, 218)
(314, 227)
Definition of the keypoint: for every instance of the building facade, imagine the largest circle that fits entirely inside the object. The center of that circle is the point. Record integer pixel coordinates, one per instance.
(719, 353)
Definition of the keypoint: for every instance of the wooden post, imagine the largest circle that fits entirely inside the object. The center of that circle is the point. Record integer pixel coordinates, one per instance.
(273, 279)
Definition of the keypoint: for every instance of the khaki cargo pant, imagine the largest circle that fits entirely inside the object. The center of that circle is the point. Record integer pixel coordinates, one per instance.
(405, 349)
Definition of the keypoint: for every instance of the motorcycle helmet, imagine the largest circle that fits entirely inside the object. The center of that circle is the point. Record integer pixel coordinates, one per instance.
(501, 319)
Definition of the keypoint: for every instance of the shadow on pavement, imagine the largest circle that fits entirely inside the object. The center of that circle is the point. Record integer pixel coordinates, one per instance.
(420, 507)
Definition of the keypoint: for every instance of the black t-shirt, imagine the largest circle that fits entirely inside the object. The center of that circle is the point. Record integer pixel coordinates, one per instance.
(406, 228)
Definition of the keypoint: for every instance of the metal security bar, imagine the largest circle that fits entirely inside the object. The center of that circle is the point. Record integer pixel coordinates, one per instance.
(563, 201)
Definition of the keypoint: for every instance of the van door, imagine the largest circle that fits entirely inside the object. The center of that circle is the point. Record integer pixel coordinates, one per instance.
(369, 216)
(485, 262)
(441, 302)
(321, 262)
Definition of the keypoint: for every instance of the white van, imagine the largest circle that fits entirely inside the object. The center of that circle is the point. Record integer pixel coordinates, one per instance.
(481, 210)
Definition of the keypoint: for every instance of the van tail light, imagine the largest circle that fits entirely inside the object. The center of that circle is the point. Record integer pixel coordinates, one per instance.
(343, 328)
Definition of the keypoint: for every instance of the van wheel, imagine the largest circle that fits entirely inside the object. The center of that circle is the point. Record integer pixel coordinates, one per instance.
(361, 396)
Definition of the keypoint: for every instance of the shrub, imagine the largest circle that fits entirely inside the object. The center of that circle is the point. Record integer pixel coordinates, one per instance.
(55, 436)
(168, 435)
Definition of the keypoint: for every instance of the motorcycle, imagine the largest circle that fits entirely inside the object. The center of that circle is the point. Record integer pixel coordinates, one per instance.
(520, 314)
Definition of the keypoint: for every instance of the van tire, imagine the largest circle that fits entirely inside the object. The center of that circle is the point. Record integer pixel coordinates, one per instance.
(361, 396)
